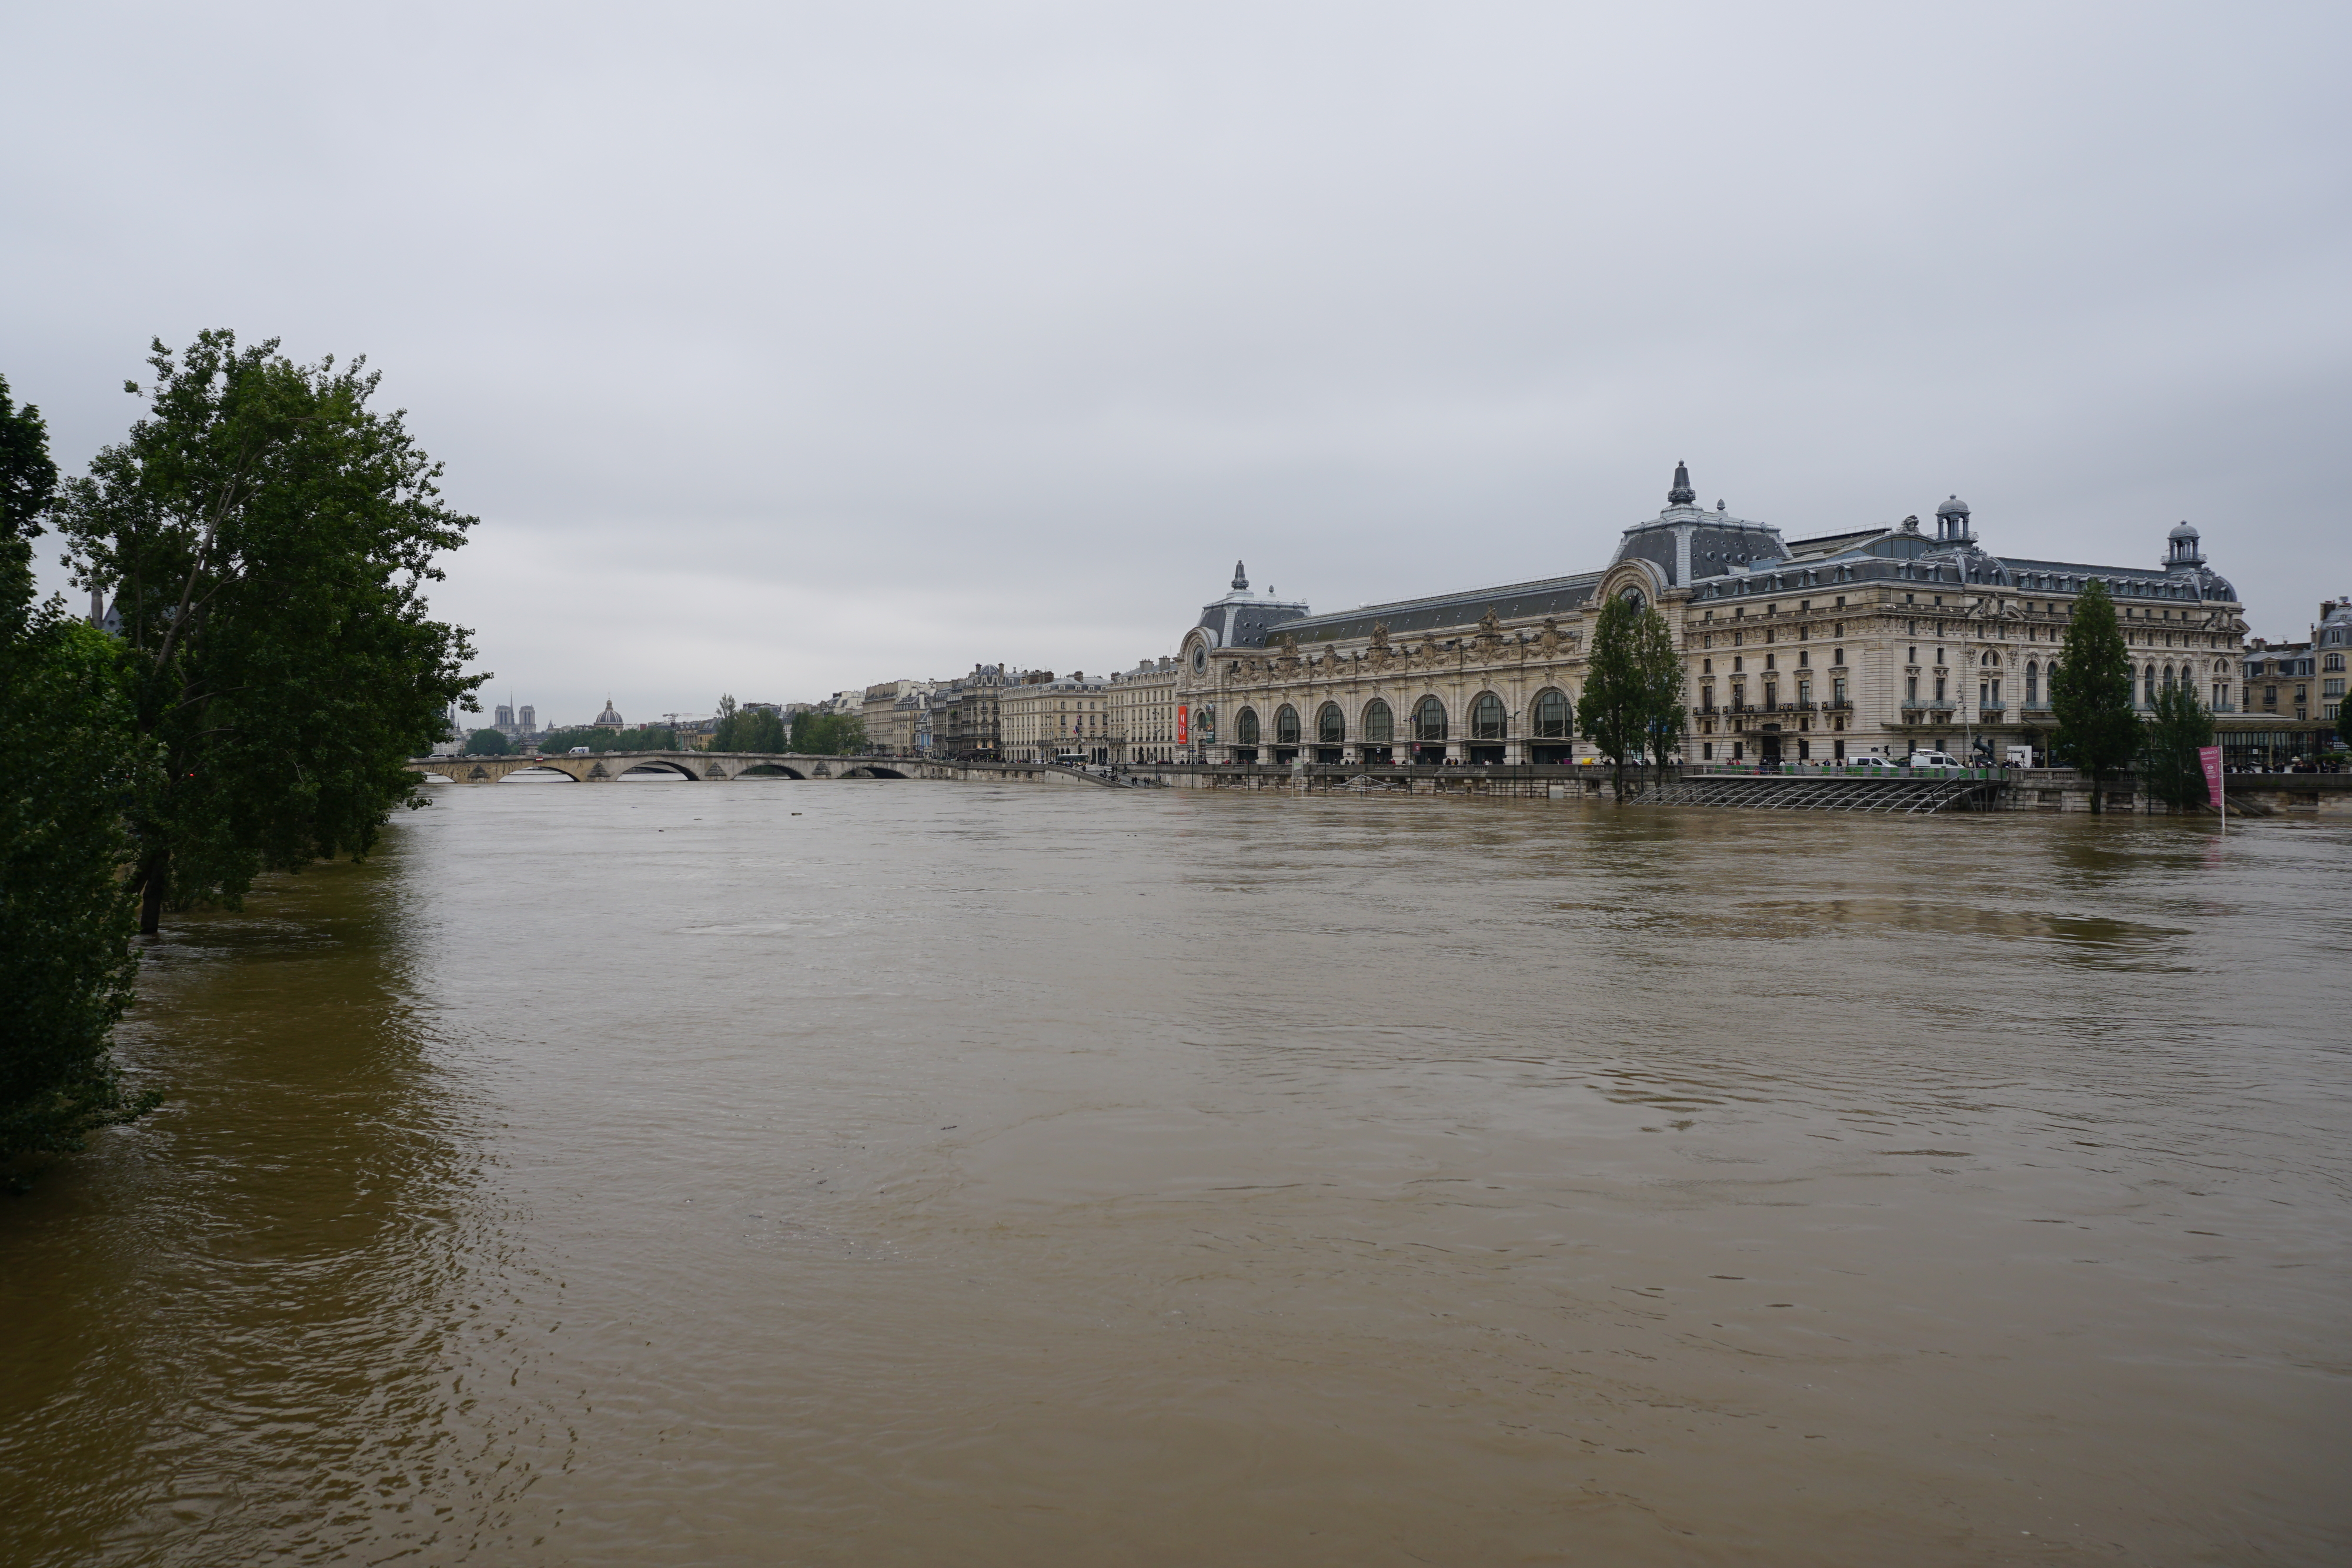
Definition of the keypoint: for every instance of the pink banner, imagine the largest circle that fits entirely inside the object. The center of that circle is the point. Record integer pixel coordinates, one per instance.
(2211, 755)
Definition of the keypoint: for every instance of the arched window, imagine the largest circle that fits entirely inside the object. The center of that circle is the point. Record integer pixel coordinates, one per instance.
(1286, 725)
(1487, 717)
(2148, 685)
(1380, 724)
(1330, 725)
(2168, 677)
(1552, 714)
(2033, 683)
(1245, 727)
(1429, 719)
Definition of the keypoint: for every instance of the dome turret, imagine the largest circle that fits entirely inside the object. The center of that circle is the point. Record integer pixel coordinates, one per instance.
(610, 718)
(2181, 549)
(1952, 523)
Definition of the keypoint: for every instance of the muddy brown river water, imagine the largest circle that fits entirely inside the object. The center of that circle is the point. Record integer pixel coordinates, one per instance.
(961, 1175)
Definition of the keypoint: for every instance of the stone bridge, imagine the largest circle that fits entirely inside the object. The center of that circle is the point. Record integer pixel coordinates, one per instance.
(604, 766)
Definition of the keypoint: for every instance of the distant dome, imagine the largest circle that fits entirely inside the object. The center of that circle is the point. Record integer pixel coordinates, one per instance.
(610, 714)
(2183, 532)
(1954, 507)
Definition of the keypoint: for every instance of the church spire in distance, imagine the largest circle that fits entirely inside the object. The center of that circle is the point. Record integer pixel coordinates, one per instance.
(1681, 495)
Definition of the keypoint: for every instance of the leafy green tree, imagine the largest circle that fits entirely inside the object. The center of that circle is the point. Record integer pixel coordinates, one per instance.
(2091, 693)
(747, 730)
(1633, 700)
(2169, 767)
(2344, 722)
(762, 730)
(269, 537)
(28, 475)
(645, 737)
(1658, 675)
(66, 961)
(827, 734)
(486, 743)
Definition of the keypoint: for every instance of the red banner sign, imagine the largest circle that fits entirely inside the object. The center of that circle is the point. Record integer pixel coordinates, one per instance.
(2211, 755)
(1183, 722)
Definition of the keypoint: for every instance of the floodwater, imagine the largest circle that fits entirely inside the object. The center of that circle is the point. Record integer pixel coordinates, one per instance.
(916, 1174)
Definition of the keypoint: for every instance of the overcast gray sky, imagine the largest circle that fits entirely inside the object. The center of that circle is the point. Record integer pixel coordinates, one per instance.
(785, 348)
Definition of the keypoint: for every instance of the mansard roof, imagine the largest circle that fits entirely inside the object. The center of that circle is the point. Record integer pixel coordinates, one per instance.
(1511, 602)
(1900, 555)
(1242, 619)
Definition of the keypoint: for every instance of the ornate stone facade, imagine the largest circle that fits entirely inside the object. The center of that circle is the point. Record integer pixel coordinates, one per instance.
(1056, 718)
(1878, 640)
(1143, 712)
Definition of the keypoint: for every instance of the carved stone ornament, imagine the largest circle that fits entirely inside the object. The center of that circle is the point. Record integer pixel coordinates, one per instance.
(1380, 633)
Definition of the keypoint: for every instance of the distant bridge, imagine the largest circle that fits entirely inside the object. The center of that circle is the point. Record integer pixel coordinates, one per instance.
(604, 766)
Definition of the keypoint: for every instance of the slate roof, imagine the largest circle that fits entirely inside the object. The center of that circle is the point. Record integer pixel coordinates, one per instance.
(1514, 601)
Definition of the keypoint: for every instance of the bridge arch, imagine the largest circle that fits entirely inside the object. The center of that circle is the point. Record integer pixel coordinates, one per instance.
(771, 770)
(871, 771)
(657, 765)
(540, 768)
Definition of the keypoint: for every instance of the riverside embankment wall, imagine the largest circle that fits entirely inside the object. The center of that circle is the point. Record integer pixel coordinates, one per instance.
(2023, 789)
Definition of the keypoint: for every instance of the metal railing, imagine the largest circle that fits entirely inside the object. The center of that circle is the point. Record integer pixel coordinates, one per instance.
(1834, 768)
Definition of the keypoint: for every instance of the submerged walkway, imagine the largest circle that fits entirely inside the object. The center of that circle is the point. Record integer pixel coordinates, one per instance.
(1818, 793)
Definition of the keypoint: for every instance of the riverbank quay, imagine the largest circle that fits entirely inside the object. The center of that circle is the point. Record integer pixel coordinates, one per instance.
(2036, 789)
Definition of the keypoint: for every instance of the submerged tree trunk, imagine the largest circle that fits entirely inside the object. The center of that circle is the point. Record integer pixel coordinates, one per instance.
(152, 875)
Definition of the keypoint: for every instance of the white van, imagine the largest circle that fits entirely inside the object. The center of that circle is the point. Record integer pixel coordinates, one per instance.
(1934, 760)
(577, 751)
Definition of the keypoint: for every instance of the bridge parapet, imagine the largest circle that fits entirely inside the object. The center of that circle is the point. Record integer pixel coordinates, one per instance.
(605, 766)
